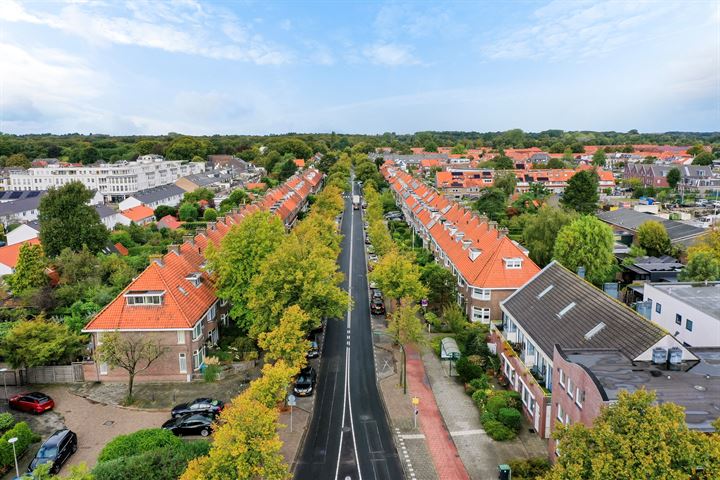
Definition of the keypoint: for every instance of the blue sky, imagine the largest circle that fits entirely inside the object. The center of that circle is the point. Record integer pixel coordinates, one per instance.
(257, 67)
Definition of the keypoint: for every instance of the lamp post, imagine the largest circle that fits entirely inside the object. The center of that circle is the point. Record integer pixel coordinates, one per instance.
(12, 442)
(3, 370)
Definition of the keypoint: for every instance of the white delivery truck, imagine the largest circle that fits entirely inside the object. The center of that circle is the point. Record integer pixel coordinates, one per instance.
(356, 202)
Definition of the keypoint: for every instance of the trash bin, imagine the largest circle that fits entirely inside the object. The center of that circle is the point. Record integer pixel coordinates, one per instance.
(504, 472)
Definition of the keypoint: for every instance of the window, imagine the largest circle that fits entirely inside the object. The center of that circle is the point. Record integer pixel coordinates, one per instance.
(223, 319)
(197, 330)
(481, 293)
(480, 314)
(570, 391)
(678, 319)
(658, 307)
(688, 325)
(144, 299)
(579, 397)
(559, 412)
(196, 360)
(181, 337)
(561, 378)
(513, 263)
(183, 362)
(211, 313)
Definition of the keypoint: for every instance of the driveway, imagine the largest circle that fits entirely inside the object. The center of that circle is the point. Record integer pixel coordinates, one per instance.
(95, 424)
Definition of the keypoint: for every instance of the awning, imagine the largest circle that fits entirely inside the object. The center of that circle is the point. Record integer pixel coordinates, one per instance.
(449, 349)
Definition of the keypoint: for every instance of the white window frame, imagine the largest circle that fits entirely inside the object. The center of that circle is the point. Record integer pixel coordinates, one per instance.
(559, 412)
(196, 360)
(570, 391)
(561, 377)
(579, 397)
(481, 293)
(103, 368)
(181, 337)
(481, 315)
(513, 263)
(197, 330)
(182, 362)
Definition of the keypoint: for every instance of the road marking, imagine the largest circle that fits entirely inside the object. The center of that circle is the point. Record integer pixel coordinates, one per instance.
(412, 436)
(462, 433)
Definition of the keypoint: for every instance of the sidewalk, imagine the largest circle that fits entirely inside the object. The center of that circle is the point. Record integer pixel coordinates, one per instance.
(442, 447)
(480, 454)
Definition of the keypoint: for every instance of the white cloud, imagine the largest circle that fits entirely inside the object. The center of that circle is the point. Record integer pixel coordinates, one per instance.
(390, 54)
(180, 26)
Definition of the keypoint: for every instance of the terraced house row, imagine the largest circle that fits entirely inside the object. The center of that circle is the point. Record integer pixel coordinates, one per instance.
(174, 300)
(488, 265)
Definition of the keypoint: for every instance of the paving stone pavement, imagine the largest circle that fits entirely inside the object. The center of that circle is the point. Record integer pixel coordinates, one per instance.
(480, 454)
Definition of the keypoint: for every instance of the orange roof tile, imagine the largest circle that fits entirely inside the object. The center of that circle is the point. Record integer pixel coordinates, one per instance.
(136, 214)
(10, 253)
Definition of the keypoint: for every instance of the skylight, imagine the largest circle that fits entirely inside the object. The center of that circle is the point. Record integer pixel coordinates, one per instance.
(595, 330)
(566, 309)
(540, 295)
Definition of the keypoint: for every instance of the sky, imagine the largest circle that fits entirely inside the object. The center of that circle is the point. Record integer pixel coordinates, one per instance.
(261, 67)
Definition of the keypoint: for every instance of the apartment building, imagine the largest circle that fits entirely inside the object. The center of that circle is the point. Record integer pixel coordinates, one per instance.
(487, 264)
(173, 300)
(115, 181)
(693, 178)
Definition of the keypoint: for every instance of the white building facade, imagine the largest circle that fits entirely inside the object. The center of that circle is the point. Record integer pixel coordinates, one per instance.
(115, 181)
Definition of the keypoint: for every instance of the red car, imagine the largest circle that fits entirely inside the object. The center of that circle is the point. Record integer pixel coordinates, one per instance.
(35, 402)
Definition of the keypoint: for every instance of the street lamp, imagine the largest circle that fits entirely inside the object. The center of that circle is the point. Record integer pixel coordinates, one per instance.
(3, 370)
(12, 441)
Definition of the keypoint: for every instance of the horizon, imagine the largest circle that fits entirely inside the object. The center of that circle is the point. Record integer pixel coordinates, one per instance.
(203, 68)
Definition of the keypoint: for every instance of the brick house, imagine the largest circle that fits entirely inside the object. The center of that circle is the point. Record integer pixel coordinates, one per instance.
(557, 310)
(173, 300)
(486, 263)
(693, 178)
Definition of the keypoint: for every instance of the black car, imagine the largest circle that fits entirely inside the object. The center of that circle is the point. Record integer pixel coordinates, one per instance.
(305, 382)
(199, 405)
(191, 424)
(55, 451)
(377, 306)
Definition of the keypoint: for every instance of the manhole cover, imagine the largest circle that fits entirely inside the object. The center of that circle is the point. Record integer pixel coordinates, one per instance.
(109, 423)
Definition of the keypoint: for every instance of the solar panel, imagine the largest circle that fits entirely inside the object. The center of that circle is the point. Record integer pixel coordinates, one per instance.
(33, 194)
(15, 195)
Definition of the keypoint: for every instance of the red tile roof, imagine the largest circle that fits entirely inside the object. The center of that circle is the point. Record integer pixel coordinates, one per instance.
(10, 253)
(139, 213)
(121, 249)
(168, 221)
(300, 162)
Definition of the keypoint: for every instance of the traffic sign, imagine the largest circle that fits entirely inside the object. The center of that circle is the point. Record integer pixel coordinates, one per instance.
(291, 400)
(424, 302)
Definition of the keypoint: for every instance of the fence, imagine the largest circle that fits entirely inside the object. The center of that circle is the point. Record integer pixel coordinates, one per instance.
(53, 374)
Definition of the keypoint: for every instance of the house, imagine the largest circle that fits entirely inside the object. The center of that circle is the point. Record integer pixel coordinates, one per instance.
(170, 195)
(486, 263)
(111, 217)
(626, 221)
(693, 178)
(299, 163)
(690, 311)
(169, 222)
(559, 311)
(652, 269)
(23, 233)
(141, 214)
(18, 206)
(9, 256)
(190, 183)
(173, 300)
(255, 186)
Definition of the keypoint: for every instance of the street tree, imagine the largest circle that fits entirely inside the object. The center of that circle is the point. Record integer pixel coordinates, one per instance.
(540, 231)
(398, 277)
(237, 261)
(319, 229)
(440, 284)
(506, 181)
(287, 341)
(329, 202)
(673, 177)
(38, 342)
(30, 270)
(493, 203)
(653, 237)
(380, 237)
(586, 242)
(131, 351)
(581, 193)
(271, 388)
(67, 221)
(405, 325)
(599, 158)
(636, 438)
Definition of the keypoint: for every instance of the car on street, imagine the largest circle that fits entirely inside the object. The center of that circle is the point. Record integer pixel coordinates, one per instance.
(305, 382)
(373, 257)
(191, 424)
(32, 402)
(367, 239)
(376, 293)
(55, 451)
(370, 249)
(377, 306)
(314, 350)
(199, 405)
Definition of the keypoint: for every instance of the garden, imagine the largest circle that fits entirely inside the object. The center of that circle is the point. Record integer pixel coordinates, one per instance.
(25, 438)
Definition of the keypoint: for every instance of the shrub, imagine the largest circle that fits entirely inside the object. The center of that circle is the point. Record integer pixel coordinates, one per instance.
(486, 417)
(495, 403)
(25, 437)
(157, 464)
(138, 442)
(6, 421)
(529, 469)
(511, 418)
(479, 383)
(513, 399)
(475, 343)
(497, 431)
(480, 398)
(467, 370)
(211, 373)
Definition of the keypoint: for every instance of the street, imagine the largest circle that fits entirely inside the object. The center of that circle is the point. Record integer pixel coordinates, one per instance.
(349, 437)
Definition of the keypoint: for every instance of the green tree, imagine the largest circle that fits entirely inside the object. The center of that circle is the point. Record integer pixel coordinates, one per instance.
(30, 270)
(636, 438)
(653, 238)
(702, 266)
(17, 160)
(503, 162)
(210, 215)
(185, 148)
(703, 158)
(540, 231)
(199, 194)
(287, 341)
(506, 181)
(164, 210)
(599, 158)
(40, 342)
(459, 149)
(67, 221)
(440, 284)
(405, 325)
(673, 177)
(398, 277)
(238, 259)
(287, 170)
(188, 212)
(587, 242)
(493, 203)
(581, 194)
(556, 163)
(131, 351)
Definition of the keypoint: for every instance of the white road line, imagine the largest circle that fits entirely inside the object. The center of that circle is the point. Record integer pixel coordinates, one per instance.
(462, 433)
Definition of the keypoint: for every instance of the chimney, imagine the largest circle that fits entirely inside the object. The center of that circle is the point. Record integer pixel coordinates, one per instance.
(200, 231)
(157, 258)
(189, 239)
(211, 226)
(502, 231)
(175, 248)
(581, 271)
(483, 218)
(492, 225)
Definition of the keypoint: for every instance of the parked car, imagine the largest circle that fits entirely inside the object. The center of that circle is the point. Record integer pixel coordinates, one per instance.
(33, 402)
(55, 451)
(199, 405)
(376, 293)
(367, 239)
(191, 424)
(373, 257)
(314, 350)
(377, 306)
(370, 249)
(305, 382)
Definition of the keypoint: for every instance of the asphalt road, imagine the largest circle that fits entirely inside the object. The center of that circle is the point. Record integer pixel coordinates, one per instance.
(349, 437)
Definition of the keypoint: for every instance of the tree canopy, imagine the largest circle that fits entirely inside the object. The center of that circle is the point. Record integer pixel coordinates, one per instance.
(540, 232)
(38, 342)
(287, 341)
(599, 158)
(653, 237)
(587, 242)
(673, 177)
(493, 203)
(398, 277)
(30, 270)
(581, 193)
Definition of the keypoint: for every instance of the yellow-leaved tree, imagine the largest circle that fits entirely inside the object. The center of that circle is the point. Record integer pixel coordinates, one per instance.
(287, 341)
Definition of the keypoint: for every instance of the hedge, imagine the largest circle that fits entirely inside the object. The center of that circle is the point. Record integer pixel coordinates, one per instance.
(25, 437)
(511, 418)
(467, 370)
(138, 442)
(497, 431)
(6, 421)
(529, 469)
(167, 463)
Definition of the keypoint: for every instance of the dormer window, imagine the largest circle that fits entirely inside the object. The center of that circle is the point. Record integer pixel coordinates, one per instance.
(513, 263)
(144, 298)
(474, 253)
(195, 278)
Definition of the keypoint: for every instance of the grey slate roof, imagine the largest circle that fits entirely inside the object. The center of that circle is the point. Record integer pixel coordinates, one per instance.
(631, 220)
(104, 211)
(624, 329)
(702, 296)
(203, 179)
(14, 202)
(150, 195)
